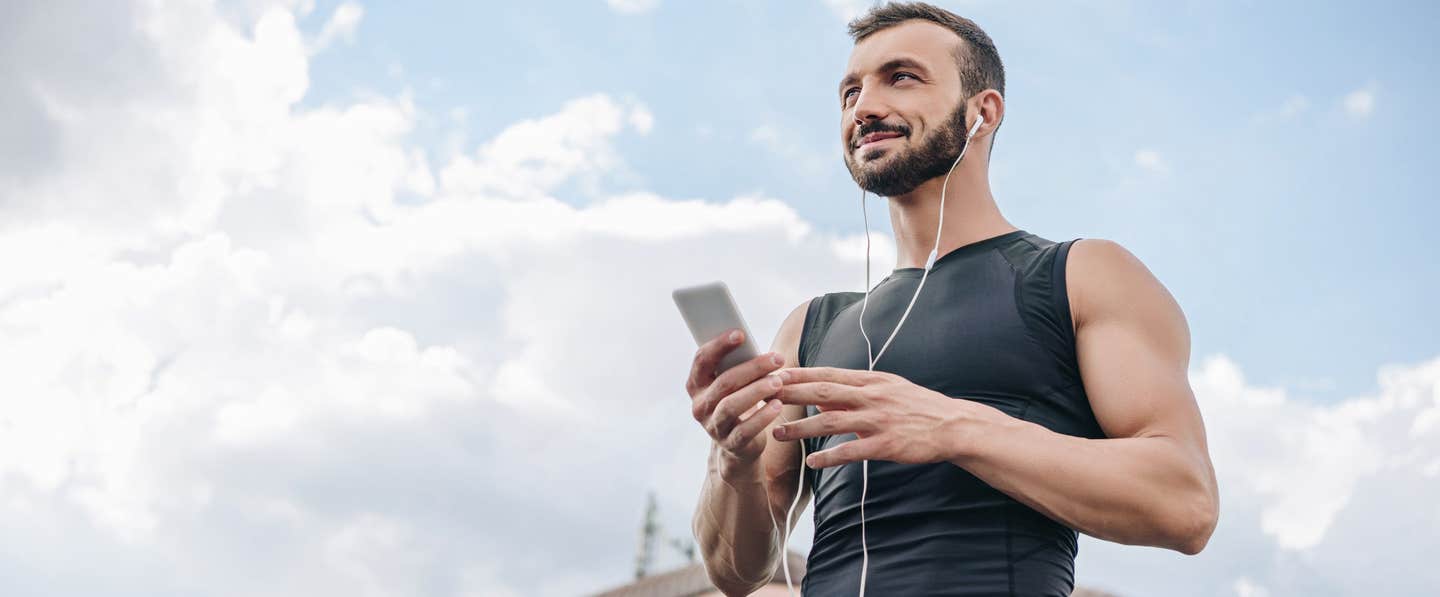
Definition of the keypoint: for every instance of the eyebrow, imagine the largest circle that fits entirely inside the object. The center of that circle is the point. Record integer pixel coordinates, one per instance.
(890, 65)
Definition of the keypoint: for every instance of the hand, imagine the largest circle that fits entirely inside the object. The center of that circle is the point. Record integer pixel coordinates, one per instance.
(893, 419)
(725, 405)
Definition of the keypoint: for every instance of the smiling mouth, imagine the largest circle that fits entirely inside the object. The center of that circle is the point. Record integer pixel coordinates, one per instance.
(879, 138)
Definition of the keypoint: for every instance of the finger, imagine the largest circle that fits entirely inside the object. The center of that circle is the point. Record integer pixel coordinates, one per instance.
(852, 377)
(831, 422)
(852, 451)
(707, 357)
(828, 394)
(745, 432)
(732, 380)
(727, 412)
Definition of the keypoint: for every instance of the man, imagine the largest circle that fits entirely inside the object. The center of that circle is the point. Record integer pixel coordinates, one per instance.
(1036, 389)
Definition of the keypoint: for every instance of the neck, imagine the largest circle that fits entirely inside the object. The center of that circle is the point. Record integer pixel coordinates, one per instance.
(970, 214)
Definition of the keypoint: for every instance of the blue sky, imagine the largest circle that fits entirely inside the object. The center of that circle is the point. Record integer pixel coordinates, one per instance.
(374, 298)
(1290, 229)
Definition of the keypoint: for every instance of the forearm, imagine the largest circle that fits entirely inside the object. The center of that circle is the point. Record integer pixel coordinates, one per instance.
(733, 527)
(1137, 490)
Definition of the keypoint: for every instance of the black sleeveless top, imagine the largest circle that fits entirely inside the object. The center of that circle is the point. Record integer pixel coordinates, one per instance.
(992, 325)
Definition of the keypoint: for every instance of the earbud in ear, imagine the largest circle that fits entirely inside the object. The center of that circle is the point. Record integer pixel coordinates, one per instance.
(979, 120)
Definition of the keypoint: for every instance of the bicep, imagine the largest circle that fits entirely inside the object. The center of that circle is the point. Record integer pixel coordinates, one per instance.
(781, 459)
(1133, 346)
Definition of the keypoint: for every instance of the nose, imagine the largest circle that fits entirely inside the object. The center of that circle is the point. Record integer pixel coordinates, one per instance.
(869, 105)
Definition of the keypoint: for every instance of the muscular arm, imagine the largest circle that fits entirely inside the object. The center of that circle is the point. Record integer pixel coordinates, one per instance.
(741, 503)
(1150, 482)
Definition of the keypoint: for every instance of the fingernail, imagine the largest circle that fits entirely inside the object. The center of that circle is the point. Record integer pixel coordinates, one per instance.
(777, 359)
(784, 377)
(774, 405)
(779, 433)
(735, 336)
(774, 382)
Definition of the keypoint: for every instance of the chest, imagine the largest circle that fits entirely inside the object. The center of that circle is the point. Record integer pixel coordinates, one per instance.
(964, 337)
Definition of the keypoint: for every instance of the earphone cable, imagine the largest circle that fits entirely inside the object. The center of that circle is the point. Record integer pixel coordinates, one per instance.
(865, 464)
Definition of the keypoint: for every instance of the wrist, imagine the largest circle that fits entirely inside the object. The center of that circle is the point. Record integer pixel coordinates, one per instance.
(737, 471)
(972, 427)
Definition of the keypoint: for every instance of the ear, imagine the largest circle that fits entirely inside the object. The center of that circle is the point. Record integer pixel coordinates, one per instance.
(990, 106)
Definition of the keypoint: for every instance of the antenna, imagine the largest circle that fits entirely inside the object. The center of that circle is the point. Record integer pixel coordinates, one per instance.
(648, 530)
(685, 546)
(650, 533)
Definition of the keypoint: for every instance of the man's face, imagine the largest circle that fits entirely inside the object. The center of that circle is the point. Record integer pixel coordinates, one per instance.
(903, 119)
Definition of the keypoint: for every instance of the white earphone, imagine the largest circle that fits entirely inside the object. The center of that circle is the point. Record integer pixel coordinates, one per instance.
(934, 253)
(865, 464)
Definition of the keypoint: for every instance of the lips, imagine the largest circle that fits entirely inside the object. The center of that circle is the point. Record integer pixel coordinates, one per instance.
(875, 137)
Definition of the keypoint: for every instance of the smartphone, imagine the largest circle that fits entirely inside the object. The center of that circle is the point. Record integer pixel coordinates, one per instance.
(709, 310)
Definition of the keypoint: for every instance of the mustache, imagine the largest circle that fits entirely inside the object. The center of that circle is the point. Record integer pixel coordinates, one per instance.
(877, 127)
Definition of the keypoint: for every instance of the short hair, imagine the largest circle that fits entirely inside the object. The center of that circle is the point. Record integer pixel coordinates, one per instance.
(977, 58)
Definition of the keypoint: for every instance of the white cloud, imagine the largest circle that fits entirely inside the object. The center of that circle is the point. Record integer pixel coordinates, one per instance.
(532, 157)
(1306, 491)
(1150, 160)
(642, 120)
(632, 6)
(1245, 587)
(231, 363)
(1294, 106)
(1360, 103)
(882, 250)
(848, 9)
(787, 145)
(342, 25)
(1301, 503)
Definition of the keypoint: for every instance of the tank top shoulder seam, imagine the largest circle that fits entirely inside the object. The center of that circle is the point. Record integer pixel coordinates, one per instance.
(1028, 239)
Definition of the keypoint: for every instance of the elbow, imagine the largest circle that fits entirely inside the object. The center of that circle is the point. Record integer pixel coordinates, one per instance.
(1194, 544)
(1197, 524)
(732, 585)
(735, 589)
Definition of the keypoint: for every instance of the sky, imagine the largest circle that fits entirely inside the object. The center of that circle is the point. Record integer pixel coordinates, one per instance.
(310, 297)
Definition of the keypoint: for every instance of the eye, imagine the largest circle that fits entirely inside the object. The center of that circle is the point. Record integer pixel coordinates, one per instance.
(897, 75)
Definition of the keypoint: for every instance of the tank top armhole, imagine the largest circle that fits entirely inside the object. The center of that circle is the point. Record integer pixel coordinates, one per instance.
(822, 312)
(807, 336)
(1061, 293)
(818, 318)
(1043, 302)
(807, 332)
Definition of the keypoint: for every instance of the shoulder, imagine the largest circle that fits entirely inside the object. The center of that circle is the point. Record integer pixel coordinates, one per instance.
(1106, 281)
(1099, 260)
(787, 339)
(796, 319)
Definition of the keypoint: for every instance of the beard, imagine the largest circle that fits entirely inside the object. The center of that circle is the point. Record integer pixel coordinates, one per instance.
(933, 157)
